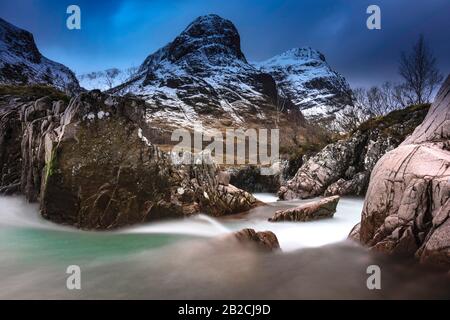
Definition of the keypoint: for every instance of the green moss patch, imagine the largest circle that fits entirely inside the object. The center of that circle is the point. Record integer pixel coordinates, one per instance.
(394, 117)
(34, 92)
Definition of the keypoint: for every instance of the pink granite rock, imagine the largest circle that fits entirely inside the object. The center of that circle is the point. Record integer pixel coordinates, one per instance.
(323, 208)
(407, 205)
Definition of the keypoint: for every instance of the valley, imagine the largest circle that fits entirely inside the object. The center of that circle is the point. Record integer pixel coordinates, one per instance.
(113, 172)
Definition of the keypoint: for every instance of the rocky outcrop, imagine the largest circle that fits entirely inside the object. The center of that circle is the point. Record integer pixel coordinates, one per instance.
(344, 167)
(407, 205)
(90, 164)
(324, 208)
(21, 63)
(264, 240)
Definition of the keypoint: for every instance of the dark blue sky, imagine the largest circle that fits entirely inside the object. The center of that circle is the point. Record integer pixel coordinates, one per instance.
(121, 33)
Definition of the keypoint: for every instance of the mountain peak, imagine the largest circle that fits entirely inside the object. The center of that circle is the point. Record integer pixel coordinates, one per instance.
(21, 62)
(19, 41)
(203, 74)
(304, 76)
(210, 24)
(295, 56)
(210, 35)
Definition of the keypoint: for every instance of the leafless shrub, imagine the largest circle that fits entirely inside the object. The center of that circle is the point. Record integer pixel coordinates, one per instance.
(418, 69)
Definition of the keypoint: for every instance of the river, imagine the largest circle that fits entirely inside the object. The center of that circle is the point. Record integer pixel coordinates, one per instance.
(182, 259)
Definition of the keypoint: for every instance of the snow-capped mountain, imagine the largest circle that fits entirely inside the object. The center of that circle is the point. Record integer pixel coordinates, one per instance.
(304, 77)
(22, 63)
(202, 75)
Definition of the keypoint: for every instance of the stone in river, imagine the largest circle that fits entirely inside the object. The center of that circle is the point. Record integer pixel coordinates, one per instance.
(324, 208)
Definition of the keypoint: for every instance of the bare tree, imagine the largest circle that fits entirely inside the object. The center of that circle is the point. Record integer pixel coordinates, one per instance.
(130, 73)
(388, 97)
(402, 95)
(375, 102)
(360, 97)
(418, 68)
(354, 113)
(110, 76)
(380, 100)
(351, 117)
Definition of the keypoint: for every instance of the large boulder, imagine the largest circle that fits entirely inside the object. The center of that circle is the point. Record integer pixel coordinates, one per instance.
(90, 164)
(407, 205)
(323, 208)
(344, 167)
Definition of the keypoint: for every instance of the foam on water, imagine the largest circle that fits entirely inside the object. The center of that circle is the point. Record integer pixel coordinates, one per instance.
(199, 225)
(266, 197)
(176, 259)
(17, 212)
(296, 235)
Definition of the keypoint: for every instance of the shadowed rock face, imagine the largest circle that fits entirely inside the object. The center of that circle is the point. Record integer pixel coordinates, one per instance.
(90, 164)
(324, 208)
(407, 204)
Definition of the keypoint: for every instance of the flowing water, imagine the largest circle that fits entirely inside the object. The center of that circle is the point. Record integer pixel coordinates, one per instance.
(186, 258)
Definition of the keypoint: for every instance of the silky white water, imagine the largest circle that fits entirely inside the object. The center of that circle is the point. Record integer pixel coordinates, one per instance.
(185, 259)
(15, 212)
(296, 235)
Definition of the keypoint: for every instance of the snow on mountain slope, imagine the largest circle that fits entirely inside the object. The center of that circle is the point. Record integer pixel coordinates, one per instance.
(106, 79)
(202, 75)
(22, 63)
(304, 77)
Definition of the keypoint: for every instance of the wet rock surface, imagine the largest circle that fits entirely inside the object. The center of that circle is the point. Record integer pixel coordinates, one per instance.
(320, 209)
(264, 240)
(250, 179)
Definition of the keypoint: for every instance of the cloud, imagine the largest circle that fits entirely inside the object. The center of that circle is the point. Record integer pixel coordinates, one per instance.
(122, 33)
